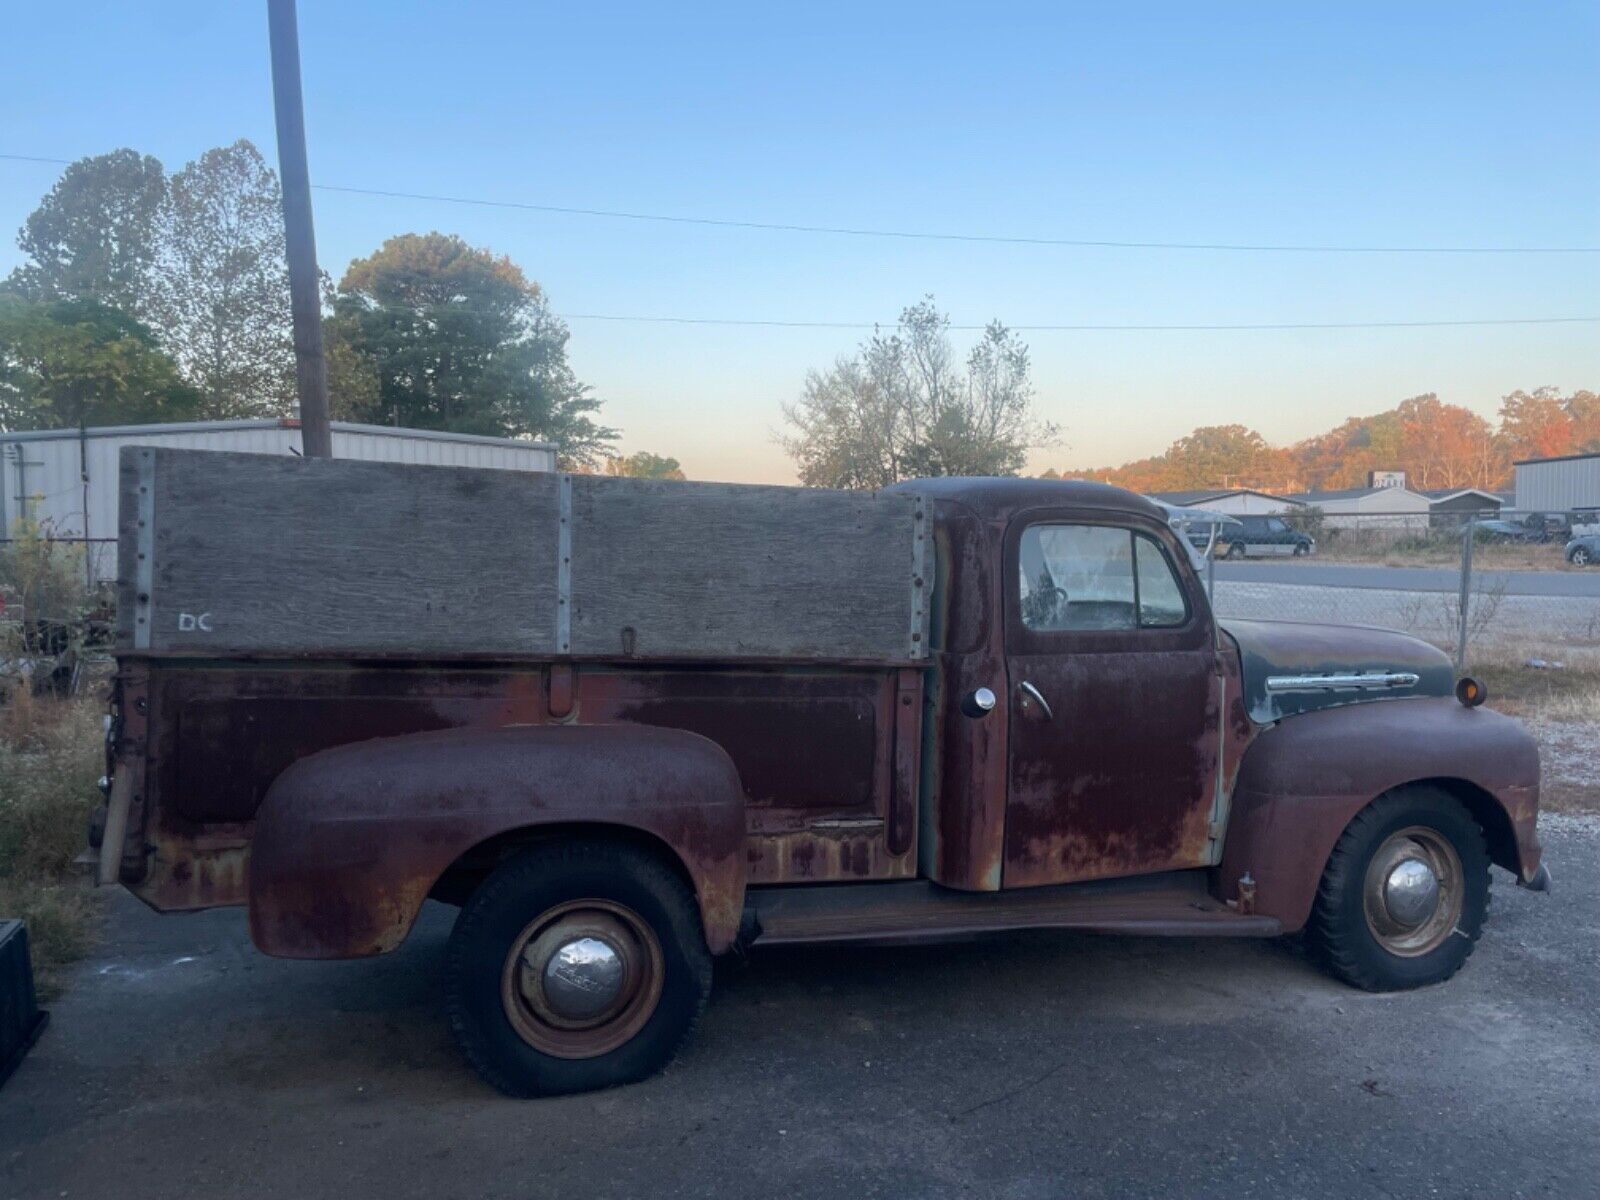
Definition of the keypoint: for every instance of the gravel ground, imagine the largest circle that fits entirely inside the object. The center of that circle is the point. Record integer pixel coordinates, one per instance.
(181, 1063)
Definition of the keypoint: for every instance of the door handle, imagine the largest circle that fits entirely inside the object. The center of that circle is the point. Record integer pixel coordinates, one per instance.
(1039, 696)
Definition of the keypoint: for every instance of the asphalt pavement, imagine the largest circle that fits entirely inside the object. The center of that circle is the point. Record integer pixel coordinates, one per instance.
(181, 1063)
(1584, 584)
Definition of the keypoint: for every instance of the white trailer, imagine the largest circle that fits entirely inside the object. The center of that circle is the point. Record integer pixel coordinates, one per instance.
(65, 480)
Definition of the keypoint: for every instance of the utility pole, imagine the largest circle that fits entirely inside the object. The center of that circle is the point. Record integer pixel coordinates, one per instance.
(305, 304)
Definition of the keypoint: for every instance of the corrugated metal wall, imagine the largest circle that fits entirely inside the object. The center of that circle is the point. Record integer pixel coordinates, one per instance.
(42, 477)
(1559, 484)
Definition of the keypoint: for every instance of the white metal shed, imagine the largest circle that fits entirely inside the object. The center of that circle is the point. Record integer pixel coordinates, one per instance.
(66, 479)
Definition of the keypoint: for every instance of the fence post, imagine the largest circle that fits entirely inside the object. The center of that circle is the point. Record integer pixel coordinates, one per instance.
(1467, 538)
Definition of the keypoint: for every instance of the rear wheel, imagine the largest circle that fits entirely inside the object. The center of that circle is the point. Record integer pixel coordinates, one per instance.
(576, 966)
(1235, 550)
(1405, 893)
(1580, 556)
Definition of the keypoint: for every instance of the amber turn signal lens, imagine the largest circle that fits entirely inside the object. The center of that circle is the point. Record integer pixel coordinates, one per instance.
(1470, 692)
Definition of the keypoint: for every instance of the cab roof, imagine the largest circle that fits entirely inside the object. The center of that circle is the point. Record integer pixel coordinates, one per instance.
(1002, 495)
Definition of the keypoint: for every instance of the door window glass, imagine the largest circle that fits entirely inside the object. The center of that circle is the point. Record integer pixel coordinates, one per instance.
(1161, 599)
(1077, 577)
(1095, 577)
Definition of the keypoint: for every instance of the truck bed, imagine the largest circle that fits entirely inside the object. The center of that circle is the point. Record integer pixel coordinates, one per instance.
(827, 754)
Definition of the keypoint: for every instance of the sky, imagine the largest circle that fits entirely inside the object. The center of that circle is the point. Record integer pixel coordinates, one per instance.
(1351, 125)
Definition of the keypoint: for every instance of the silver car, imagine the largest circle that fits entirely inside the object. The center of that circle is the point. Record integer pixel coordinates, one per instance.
(1581, 551)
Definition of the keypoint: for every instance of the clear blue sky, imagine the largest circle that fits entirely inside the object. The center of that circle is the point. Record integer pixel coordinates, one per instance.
(1348, 124)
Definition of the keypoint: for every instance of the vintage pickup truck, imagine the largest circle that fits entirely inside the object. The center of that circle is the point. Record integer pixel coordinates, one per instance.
(629, 726)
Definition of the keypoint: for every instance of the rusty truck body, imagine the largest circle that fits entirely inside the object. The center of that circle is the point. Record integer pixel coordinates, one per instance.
(1062, 736)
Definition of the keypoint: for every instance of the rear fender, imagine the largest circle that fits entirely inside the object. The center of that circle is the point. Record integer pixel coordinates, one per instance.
(1303, 780)
(349, 842)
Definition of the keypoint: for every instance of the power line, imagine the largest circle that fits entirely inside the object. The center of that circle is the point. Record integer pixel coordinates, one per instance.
(906, 234)
(448, 308)
(1285, 326)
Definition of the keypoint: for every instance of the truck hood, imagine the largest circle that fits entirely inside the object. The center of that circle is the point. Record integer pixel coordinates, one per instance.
(1291, 667)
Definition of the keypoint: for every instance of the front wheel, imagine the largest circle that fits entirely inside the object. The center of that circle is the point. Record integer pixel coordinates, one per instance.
(1235, 550)
(1580, 556)
(1405, 893)
(576, 966)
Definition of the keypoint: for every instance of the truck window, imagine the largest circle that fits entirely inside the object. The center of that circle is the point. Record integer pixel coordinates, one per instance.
(1161, 599)
(1089, 577)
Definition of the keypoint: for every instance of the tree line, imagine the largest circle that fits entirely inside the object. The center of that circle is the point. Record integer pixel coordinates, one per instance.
(154, 296)
(1437, 445)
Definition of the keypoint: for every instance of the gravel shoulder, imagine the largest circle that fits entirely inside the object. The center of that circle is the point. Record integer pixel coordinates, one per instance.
(182, 1063)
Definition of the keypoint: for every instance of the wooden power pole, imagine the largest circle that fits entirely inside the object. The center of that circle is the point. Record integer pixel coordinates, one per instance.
(305, 302)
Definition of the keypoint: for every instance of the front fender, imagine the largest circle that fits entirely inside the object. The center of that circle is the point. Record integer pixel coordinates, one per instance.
(349, 842)
(1303, 780)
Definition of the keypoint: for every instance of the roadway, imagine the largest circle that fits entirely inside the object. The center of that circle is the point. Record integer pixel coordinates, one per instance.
(1584, 584)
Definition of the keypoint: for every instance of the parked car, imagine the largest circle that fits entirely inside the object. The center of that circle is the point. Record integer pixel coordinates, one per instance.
(1496, 531)
(624, 743)
(1262, 537)
(1584, 551)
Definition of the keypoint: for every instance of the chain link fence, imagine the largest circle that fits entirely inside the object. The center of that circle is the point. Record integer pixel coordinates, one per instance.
(1472, 582)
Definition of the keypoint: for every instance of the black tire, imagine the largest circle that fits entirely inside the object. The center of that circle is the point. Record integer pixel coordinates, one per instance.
(1301, 550)
(495, 920)
(1340, 932)
(1235, 550)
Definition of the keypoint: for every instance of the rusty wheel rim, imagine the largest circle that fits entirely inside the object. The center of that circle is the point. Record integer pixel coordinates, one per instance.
(582, 978)
(1414, 892)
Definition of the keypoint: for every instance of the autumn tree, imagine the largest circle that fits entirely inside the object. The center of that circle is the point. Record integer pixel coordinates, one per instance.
(1446, 445)
(907, 405)
(94, 236)
(222, 283)
(1583, 410)
(70, 362)
(456, 338)
(644, 465)
(1536, 424)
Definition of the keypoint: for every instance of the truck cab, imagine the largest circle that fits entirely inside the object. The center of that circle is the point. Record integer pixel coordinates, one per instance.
(1065, 738)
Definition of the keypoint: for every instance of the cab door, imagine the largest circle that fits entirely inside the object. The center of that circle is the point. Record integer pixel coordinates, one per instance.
(1115, 701)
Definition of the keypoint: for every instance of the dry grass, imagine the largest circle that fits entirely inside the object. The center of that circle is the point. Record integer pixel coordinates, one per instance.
(1561, 706)
(50, 759)
(1442, 552)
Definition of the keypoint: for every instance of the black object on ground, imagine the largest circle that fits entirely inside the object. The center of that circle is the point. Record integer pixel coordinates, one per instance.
(21, 1021)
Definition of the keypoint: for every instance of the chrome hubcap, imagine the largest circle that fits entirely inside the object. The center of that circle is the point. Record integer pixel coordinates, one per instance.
(581, 980)
(1413, 893)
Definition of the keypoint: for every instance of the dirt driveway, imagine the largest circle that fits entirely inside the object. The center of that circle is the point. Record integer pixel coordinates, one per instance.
(182, 1064)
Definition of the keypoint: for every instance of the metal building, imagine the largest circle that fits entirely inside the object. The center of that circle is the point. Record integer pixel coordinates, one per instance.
(1558, 484)
(65, 480)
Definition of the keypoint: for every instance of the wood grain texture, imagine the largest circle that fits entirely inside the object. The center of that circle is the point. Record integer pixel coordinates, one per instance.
(256, 553)
(266, 555)
(733, 570)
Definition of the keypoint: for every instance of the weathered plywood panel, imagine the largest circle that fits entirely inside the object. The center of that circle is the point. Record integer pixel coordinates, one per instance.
(254, 553)
(732, 570)
(236, 553)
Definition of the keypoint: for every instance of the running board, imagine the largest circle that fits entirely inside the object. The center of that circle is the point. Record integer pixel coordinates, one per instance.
(1170, 905)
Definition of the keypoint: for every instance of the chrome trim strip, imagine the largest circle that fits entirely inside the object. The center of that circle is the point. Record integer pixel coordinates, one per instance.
(1364, 682)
